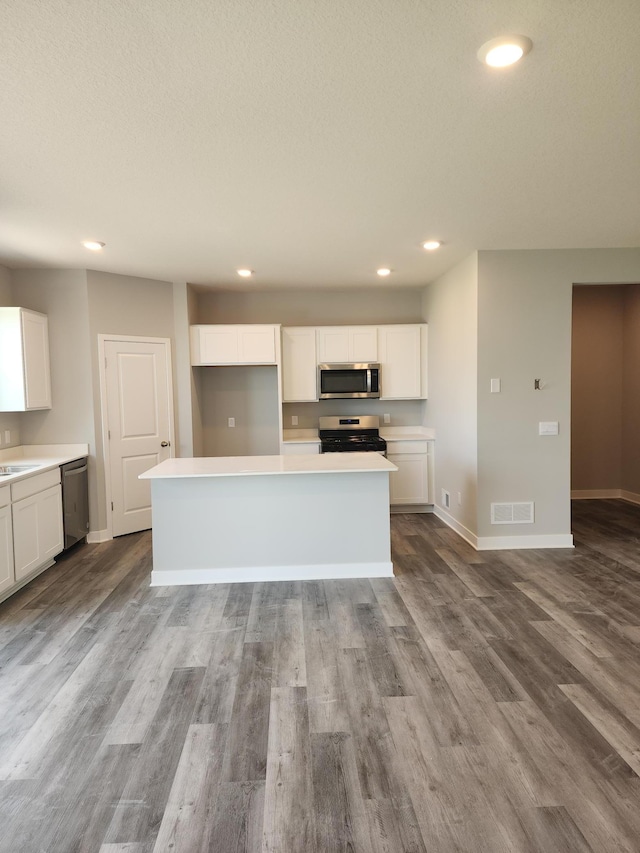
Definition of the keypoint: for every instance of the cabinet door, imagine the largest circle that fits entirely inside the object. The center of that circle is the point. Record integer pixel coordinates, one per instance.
(216, 345)
(363, 344)
(7, 576)
(37, 530)
(50, 527)
(333, 345)
(400, 362)
(347, 344)
(299, 368)
(410, 483)
(257, 344)
(35, 343)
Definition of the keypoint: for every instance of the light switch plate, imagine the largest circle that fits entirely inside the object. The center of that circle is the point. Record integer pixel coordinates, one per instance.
(294, 420)
(548, 428)
(495, 386)
(231, 422)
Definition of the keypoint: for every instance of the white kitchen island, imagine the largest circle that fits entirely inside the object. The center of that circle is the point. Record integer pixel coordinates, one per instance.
(270, 518)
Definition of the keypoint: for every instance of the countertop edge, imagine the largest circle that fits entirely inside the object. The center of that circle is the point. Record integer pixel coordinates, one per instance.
(290, 465)
(44, 457)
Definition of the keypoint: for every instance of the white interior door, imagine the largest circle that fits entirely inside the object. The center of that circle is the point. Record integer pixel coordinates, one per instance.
(140, 425)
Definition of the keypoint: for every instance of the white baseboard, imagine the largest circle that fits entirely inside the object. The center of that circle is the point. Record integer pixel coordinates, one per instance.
(594, 494)
(508, 543)
(248, 574)
(409, 508)
(504, 543)
(604, 494)
(94, 536)
(460, 529)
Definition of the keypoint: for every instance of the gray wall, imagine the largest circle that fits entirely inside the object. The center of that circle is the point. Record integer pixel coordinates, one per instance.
(596, 387)
(5, 287)
(524, 332)
(185, 392)
(450, 308)
(605, 388)
(631, 391)
(62, 296)
(248, 394)
(312, 307)
(8, 420)
(123, 305)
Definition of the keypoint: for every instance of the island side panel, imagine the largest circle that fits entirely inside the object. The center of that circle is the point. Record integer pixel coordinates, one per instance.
(270, 527)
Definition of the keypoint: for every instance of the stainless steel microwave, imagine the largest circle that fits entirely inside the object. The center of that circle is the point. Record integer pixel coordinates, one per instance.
(348, 381)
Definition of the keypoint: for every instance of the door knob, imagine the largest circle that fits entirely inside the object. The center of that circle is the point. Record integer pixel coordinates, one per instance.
(165, 443)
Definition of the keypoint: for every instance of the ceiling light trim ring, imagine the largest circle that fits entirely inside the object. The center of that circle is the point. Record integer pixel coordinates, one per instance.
(521, 45)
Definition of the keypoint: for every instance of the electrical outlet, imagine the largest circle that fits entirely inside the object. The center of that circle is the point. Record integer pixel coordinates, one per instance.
(294, 420)
(386, 418)
(7, 436)
(459, 498)
(231, 422)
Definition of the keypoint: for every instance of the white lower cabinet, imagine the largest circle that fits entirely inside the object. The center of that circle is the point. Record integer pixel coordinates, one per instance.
(37, 530)
(410, 483)
(7, 576)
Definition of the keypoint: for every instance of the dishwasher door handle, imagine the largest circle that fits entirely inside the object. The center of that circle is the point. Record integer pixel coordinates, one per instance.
(74, 471)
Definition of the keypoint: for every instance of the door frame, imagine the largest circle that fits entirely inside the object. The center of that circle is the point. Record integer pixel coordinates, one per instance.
(104, 422)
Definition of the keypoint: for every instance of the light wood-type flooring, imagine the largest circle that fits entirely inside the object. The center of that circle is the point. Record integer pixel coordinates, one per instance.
(477, 702)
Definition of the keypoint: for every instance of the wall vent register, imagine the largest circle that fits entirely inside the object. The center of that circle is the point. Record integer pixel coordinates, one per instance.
(512, 513)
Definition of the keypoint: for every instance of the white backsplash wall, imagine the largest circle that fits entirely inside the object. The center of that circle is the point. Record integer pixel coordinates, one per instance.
(403, 412)
(9, 421)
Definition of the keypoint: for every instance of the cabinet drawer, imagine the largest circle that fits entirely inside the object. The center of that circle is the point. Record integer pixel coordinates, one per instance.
(33, 485)
(395, 447)
(5, 495)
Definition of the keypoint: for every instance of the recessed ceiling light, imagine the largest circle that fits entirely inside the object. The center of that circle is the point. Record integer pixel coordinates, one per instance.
(93, 245)
(383, 271)
(505, 50)
(245, 273)
(431, 245)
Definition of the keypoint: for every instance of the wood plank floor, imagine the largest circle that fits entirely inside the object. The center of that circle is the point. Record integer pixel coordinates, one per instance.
(477, 702)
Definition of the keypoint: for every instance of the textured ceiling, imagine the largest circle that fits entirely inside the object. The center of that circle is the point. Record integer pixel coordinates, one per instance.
(310, 140)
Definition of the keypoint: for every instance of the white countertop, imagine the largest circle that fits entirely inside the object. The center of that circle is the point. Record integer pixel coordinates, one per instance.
(243, 466)
(43, 457)
(300, 436)
(408, 433)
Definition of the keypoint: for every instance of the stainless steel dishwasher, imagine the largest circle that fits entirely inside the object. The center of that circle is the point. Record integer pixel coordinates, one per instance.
(75, 501)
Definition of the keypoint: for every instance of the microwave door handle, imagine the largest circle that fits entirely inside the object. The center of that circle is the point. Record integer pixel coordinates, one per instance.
(369, 381)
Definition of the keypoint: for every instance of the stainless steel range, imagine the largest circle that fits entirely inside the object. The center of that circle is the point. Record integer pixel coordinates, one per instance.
(346, 435)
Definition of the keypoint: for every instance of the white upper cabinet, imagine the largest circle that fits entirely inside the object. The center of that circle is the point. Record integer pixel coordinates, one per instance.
(25, 379)
(255, 344)
(299, 367)
(347, 344)
(402, 357)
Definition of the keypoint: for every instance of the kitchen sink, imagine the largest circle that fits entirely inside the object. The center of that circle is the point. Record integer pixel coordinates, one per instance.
(7, 470)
